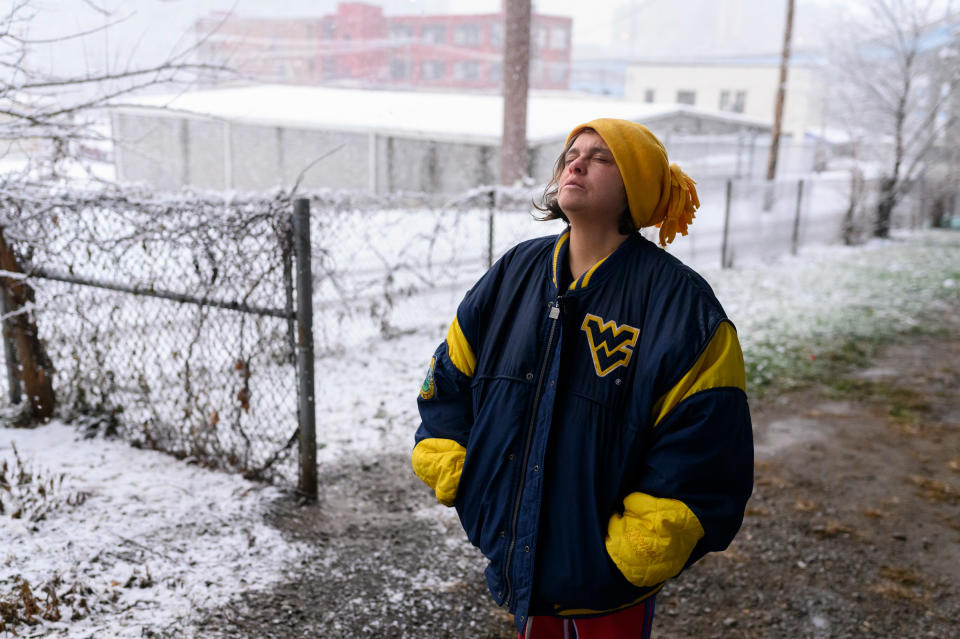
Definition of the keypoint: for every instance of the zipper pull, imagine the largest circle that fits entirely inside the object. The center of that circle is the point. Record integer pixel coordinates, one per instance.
(554, 311)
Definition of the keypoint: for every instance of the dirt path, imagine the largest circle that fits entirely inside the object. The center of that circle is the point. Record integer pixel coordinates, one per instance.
(853, 531)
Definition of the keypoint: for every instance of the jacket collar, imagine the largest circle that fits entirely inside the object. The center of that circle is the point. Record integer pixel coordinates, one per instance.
(595, 274)
(560, 249)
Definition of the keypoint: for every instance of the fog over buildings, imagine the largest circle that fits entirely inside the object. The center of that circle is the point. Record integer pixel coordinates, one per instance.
(146, 30)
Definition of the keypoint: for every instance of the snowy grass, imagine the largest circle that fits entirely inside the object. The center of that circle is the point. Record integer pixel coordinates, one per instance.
(800, 318)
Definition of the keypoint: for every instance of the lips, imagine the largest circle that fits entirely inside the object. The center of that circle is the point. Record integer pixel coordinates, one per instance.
(572, 183)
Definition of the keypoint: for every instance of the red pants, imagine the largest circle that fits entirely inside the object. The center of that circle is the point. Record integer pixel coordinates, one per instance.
(632, 623)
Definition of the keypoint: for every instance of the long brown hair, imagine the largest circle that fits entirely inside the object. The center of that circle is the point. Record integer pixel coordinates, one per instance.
(551, 207)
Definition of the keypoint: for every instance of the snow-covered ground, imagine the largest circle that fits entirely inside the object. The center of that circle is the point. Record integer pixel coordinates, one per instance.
(142, 540)
(145, 541)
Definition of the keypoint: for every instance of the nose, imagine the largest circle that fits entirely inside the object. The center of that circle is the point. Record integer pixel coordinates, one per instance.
(576, 165)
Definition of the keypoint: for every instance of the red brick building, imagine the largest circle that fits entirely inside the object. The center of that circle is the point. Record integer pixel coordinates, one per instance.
(360, 46)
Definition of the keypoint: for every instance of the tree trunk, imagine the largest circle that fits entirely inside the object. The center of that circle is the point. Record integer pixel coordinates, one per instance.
(888, 200)
(849, 228)
(36, 369)
(516, 80)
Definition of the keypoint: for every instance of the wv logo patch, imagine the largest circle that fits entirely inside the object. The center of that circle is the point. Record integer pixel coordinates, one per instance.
(610, 345)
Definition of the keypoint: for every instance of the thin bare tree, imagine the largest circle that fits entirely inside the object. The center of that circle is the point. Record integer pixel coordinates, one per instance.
(898, 76)
(48, 111)
(48, 114)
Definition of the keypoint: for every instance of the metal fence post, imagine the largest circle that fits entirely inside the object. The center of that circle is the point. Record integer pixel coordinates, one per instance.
(725, 261)
(795, 238)
(491, 211)
(307, 407)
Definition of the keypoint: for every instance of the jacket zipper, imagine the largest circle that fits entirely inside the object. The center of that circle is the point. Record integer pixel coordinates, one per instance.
(554, 315)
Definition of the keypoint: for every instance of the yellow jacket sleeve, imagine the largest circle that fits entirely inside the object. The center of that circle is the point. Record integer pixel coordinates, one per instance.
(653, 539)
(438, 463)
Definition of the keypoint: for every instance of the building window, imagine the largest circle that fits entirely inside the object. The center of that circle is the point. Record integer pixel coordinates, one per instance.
(329, 66)
(496, 34)
(433, 69)
(558, 38)
(401, 32)
(400, 69)
(733, 101)
(739, 102)
(649, 96)
(540, 38)
(686, 97)
(495, 73)
(558, 74)
(536, 72)
(466, 70)
(433, 34)
(466, 35)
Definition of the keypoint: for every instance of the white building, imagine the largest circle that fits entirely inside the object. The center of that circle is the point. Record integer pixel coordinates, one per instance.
(745, 85)
(263, 137)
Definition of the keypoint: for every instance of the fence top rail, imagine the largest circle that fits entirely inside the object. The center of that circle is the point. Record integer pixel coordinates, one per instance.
(150, 291)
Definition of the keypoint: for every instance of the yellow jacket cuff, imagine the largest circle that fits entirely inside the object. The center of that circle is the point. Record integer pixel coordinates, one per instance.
(653, 539)
(438, 463)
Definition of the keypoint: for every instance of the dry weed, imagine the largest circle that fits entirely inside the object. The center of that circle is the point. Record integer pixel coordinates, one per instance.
(806, 505)
(832, 528)
(936, 491)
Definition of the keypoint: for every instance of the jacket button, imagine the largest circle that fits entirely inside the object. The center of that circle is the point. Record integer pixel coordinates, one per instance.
(511, 456)
(536, 469)
(526, 549)
(503, 534)
(529, 376)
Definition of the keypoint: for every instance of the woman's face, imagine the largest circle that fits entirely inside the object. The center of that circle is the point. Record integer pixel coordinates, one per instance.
(591, 190)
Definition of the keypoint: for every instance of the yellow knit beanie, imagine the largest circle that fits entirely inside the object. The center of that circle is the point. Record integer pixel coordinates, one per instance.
(658, 193)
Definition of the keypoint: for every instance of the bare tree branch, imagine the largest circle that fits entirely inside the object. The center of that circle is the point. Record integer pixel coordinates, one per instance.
(70, 36)
(124, 75)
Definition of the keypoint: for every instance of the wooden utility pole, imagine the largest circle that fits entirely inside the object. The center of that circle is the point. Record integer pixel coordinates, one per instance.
(516, 81)
(781, 95)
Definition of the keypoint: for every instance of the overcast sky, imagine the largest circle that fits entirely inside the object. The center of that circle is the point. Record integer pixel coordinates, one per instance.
(145, 22)
(150, 29)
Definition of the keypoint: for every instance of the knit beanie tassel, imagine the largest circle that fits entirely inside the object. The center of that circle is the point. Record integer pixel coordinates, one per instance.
(681, 206)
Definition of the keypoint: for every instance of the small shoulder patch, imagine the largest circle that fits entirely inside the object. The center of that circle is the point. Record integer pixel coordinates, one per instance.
(428, 389)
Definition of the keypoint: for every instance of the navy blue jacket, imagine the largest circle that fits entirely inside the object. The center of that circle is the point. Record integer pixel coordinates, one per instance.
(593, 435)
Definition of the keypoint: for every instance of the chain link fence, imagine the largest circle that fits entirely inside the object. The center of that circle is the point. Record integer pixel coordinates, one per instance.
(391, 268)
(167, 320)
(383, 265)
